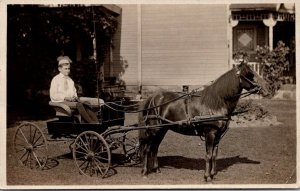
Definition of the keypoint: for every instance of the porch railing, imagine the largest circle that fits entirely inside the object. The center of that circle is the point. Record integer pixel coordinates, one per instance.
(253, 65)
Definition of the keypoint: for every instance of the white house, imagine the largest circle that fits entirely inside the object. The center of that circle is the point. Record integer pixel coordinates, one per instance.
(169, 46)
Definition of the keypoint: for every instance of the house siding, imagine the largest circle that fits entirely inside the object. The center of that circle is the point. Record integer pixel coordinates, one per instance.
(180, 44)
(129, 45)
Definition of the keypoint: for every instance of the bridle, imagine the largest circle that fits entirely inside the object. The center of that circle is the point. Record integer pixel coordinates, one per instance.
(256, 88)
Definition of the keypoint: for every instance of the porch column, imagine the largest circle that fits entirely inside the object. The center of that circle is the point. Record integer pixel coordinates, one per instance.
(232, 23)
(270, 22)
(139, 44)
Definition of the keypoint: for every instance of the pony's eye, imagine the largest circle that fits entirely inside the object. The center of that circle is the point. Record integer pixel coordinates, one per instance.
(250, 75)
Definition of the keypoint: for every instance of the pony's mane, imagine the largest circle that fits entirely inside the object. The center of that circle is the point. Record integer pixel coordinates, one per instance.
(226, 86)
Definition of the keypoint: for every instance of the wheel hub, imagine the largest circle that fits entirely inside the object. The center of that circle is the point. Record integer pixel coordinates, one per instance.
(90, 155)
(29, 147)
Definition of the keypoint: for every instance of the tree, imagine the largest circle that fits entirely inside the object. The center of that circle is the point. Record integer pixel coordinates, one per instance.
(37, 34)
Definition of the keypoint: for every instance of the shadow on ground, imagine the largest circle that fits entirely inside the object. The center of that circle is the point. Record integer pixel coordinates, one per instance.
(199, 164)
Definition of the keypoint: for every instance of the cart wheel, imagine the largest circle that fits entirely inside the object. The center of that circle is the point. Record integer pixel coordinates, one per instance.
(91, 154)
(131, 147)
(30, 146)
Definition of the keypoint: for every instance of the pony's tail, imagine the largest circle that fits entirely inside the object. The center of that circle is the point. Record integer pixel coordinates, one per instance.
(142, 121)
(144, 109)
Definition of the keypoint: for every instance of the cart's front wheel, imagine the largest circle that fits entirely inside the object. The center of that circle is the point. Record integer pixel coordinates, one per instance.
(131, 147)
(30, 146)
(91, 154)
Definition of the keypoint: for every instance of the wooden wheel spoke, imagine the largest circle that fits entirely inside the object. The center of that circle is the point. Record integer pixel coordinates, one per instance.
(82, 163)
(37, 139)
(36, 158)
(39, 146)
(102, 149)
(34, 134)
(80, 152)
(87, 141)
(93, 144)
(20, 138)
(78, 158)
(23, 136)
(22, 149)
(28, 157)
(30, 138)
(102, 164)
(101, 158)
(91, 141)
(83, 143)
(99, 167)
(102, 152)
(88, 164)
(79, 146)
(100, 146)
(26, 152)
(93, 167)
(19, 145)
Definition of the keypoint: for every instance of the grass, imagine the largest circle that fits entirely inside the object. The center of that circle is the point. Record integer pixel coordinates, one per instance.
(248, 155)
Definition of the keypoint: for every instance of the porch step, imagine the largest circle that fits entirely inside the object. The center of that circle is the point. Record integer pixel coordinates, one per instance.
(285, 95)
(286, 92)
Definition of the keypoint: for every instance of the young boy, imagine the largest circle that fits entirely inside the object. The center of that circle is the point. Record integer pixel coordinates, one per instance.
(62, 89)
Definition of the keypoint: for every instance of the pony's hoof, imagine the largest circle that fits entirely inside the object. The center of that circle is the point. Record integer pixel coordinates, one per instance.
(157, 171)
(144, 173)
(208, 178)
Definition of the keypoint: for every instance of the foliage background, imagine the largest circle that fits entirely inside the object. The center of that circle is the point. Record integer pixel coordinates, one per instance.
(37, 34)
(273, 63)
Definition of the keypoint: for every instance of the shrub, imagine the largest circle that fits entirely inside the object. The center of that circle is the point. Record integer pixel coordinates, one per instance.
(273, 63)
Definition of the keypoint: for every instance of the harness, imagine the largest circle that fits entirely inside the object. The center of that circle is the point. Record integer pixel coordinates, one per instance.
(193, 122)
(256, 88)
(190, 121)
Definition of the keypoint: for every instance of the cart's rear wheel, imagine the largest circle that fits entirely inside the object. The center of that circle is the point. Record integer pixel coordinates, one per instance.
(91, 154)
(30, 146)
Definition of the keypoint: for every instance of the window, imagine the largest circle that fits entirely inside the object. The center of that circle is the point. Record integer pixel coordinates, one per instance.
(245, 39)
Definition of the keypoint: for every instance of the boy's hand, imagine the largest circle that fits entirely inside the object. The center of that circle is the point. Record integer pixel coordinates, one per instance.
(75, 99)
(71, 99)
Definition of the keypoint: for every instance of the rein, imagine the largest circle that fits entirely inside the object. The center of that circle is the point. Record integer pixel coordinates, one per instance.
(192, 93)
(248, 93)
(189, 120)
(256, 88)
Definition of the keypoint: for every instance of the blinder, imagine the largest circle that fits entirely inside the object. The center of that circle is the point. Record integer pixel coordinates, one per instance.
(256, 88)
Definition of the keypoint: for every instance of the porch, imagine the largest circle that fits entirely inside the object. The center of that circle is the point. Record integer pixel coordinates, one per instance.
(252, 25)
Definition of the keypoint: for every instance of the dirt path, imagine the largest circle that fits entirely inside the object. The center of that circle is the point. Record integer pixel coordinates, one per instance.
(247, 155)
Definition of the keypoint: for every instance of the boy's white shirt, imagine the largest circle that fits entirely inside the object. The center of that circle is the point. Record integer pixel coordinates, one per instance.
(57, 91)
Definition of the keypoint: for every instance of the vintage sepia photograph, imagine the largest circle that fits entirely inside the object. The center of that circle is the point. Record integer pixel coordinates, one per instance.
(149, 95)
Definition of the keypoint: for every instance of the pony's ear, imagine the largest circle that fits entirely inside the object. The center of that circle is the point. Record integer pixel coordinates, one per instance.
(242, 63)
(240, 67)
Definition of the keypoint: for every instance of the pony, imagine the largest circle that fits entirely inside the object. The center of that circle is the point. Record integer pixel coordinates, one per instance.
(166, 110)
